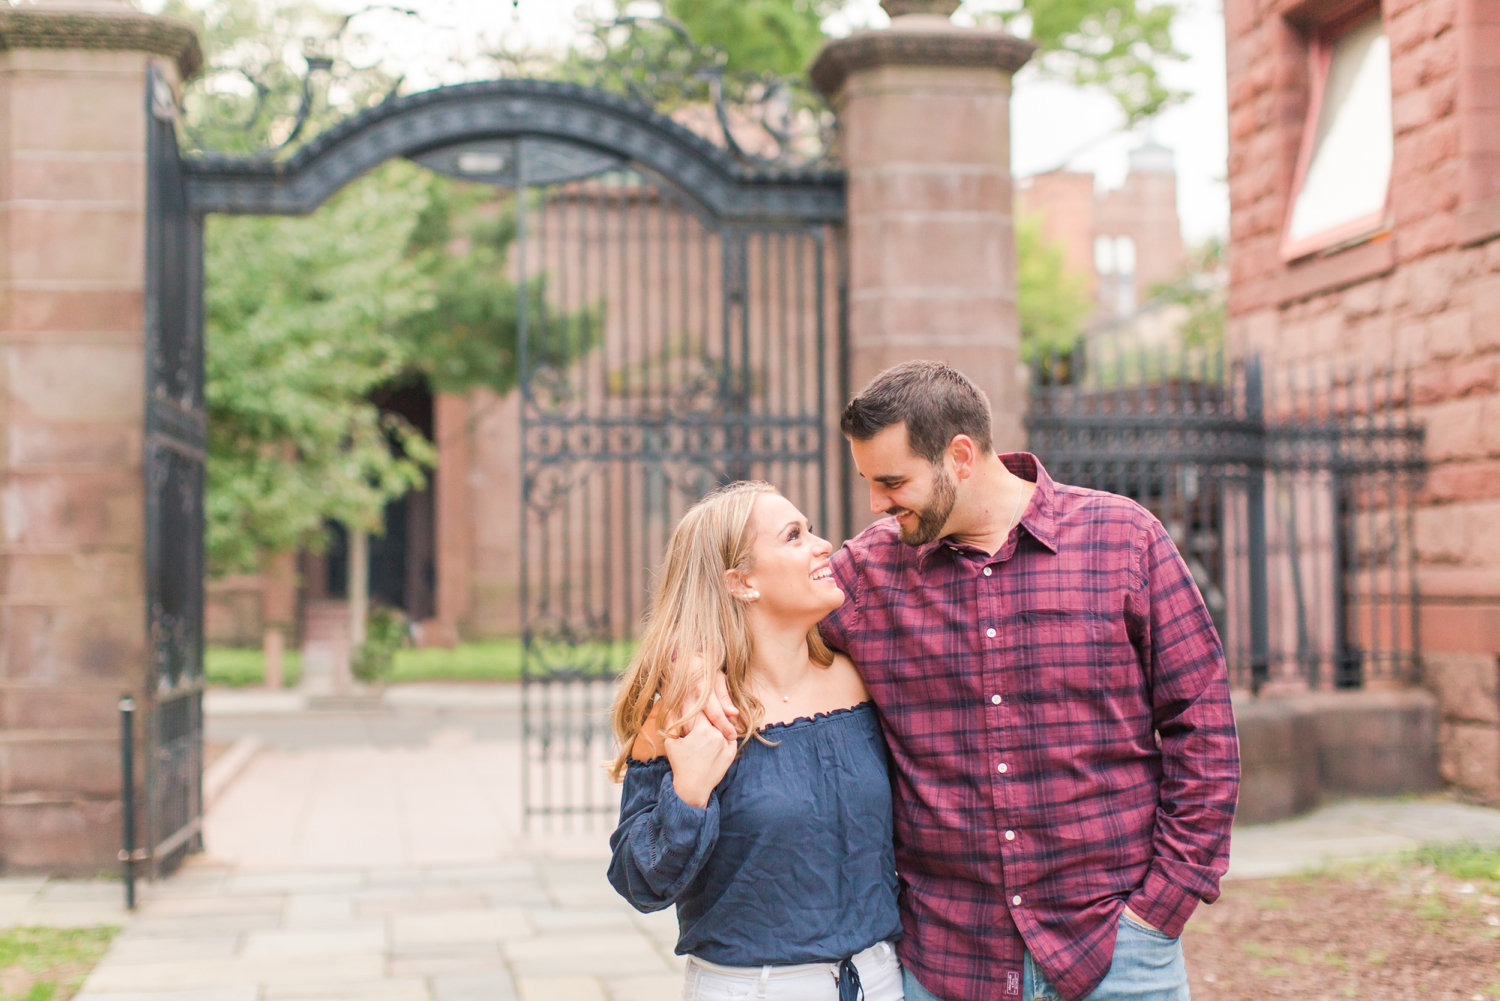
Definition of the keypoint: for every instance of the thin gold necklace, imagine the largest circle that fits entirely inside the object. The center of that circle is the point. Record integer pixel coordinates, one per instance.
(800, 682)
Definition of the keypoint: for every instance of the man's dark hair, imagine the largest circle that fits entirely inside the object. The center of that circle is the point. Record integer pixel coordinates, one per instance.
(934, 401)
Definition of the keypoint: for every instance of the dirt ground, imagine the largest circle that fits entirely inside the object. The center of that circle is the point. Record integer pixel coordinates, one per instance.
(1423, 927)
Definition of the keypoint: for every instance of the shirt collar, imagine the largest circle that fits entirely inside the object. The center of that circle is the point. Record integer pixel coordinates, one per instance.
(1040, 516)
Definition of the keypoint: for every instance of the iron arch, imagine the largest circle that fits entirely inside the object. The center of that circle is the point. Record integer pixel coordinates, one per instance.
(497, 109)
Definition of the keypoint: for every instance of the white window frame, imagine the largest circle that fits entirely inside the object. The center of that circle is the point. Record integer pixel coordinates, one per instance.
(1320, 56)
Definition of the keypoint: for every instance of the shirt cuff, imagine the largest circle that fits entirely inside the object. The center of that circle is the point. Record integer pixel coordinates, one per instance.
(1163, 904)
(681, 823)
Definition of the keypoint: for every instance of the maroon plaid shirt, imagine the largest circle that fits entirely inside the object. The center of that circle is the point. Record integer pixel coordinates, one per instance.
(1060, 732)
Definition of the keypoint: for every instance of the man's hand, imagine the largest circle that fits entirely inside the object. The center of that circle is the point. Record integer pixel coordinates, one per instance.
(700, 757)
(1140, 920)
(720, 708)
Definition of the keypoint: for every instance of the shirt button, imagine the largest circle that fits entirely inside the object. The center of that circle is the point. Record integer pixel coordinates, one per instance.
(1004, 768)
(1016, 900)
(996, 699)
(990, 633)
(988, 571)
(1010, 835)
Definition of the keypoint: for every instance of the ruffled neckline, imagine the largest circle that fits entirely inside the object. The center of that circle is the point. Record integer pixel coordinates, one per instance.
(817, 717)
(798, 723)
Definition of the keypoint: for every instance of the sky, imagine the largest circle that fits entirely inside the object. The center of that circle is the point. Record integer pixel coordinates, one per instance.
(1196, 130)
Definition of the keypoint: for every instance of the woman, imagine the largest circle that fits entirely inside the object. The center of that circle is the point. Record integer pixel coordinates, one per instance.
(776, 848)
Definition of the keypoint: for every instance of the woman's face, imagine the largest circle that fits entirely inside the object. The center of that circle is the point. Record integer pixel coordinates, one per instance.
(791, 564)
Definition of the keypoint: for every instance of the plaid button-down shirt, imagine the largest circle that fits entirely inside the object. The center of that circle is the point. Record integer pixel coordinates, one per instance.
(1060, 732)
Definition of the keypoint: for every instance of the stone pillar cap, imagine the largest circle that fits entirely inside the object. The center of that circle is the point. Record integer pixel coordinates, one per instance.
(918, 39)
(99, 24)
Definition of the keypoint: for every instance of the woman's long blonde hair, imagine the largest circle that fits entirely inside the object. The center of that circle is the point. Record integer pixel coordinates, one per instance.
(693, 615)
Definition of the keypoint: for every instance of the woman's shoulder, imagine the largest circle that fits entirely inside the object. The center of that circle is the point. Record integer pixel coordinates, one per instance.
(647, 745)
(845, 681)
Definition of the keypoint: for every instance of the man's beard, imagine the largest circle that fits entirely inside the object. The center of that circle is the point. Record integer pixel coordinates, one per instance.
(932, 518)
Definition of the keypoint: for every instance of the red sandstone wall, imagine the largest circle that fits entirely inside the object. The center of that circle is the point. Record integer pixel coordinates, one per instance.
(1425, 295)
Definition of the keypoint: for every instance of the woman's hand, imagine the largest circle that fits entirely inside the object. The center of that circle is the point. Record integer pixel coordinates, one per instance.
(700, 757)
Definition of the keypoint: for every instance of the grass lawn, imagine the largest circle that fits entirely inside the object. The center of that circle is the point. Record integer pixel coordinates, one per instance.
(48, 964)
(490, 660)
(1423, 926)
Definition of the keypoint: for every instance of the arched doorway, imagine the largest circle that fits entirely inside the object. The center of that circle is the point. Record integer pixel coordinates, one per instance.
(704, 346)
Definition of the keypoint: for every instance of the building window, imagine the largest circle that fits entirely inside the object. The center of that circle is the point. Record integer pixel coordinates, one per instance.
(1114, 263)
(1344, 170)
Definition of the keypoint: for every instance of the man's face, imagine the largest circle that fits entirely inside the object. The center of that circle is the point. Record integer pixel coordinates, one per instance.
(920, 494)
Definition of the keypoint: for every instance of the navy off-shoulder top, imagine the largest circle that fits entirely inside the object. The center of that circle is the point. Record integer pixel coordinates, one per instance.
(790, 862)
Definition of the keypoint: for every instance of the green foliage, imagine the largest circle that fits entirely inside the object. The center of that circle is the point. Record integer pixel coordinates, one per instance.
(1202, 291)
(250, 92)
(242, 667)
(1114, 45)
(466, 333)
(385, 633)
(1052, 302)
(303, 319)
(760, 36)
(50, 964)
(1463, 860)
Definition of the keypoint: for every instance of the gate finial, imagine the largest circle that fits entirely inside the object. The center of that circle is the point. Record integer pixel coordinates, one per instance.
(900, 8)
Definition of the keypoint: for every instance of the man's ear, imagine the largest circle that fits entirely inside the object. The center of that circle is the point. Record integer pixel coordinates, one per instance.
(962, 453)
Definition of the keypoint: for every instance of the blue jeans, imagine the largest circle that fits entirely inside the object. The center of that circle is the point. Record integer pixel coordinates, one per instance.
(1148, 966)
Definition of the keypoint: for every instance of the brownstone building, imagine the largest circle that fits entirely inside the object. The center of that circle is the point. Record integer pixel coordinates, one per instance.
(1121, 241)
(1364, 173)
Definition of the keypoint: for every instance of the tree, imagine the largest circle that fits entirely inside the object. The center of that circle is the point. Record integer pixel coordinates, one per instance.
(1115, 45)
(1052, 302)
(303, 317)
(1200, 288)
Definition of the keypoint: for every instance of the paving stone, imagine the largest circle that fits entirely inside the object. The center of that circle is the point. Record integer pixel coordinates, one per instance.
(303, 942)
(517, 895)
(284, 971)
(210, 905)
(560, 989)
(547, 919)
(424, 904)
(440, 965)
(474, 987)
(467, 875)
(660, 926)
(205, 924)
(83, 891)
(311, 881)
(652, 988)
(317, 909)
(403, 989)
(601, 953)
(128, 948)
(460, 926)
(246, 993)
(28, 885)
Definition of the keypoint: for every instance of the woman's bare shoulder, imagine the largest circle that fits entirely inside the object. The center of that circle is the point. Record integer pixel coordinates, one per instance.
(647, 744)
(848, 683)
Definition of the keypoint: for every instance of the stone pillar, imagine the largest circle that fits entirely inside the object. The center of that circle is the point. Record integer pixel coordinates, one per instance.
(924, 134)
(72, 382)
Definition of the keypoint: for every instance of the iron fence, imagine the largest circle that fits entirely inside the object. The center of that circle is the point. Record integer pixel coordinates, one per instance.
(1289, 495)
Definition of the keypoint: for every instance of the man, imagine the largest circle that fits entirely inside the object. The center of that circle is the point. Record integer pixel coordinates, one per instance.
(1056, 704)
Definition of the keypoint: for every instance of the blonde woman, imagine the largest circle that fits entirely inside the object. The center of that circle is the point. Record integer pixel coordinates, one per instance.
(776, 847)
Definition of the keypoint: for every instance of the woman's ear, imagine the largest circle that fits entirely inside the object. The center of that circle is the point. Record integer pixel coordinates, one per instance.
(741, 587)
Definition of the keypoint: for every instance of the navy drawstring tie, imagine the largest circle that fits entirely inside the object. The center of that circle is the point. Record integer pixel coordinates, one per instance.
(849, 988)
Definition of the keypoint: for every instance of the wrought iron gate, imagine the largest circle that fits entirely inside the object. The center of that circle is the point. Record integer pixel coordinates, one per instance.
(666, 350)
(674, 327)
(1289, 497)
(176, 438)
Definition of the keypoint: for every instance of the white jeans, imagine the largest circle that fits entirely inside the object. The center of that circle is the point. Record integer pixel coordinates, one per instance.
(879, 975)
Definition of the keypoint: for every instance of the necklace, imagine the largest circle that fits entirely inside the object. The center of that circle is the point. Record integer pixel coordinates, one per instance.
(1016, 514)
(793, 691)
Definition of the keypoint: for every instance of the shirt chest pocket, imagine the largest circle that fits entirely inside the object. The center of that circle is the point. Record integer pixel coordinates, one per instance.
(1072, 646)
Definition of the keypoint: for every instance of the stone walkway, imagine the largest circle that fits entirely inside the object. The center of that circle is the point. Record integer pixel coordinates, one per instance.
(381, 857)
(518, 931)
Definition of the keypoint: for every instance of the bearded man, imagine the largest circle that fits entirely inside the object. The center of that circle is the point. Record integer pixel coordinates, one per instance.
(1056, 704)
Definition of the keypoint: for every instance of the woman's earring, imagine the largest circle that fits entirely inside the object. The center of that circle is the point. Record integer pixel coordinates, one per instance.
(752, 595)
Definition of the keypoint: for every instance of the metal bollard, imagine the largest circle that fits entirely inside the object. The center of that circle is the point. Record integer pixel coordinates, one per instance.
(127, 797)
